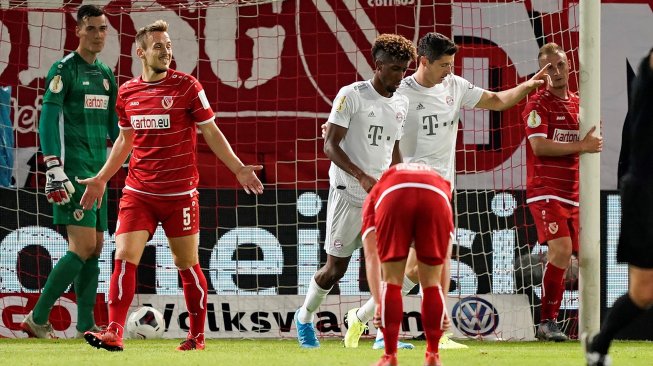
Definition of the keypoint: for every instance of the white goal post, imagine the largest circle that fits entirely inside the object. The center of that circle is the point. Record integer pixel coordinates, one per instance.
(590, 167)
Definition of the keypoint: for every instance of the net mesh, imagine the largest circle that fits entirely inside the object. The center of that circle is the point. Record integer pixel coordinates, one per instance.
(271, 70)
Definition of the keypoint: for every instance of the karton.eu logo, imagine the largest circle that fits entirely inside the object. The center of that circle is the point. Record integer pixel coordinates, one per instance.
(475, 316)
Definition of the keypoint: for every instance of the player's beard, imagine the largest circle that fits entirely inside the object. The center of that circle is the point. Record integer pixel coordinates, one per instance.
(164, 68)
(159, 70)
(390, 89)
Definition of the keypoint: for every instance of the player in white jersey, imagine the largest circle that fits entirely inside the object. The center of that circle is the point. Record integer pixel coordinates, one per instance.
(430, 136)
(362, 141)
(436, 96)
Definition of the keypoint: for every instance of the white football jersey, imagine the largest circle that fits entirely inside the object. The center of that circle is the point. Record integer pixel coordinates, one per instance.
(432, 121)
(374, 123)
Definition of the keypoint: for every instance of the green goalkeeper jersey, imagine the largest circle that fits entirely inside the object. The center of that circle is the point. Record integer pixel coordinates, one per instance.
(85, 97)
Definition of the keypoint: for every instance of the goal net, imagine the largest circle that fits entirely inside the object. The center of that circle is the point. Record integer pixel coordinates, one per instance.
(270, 70)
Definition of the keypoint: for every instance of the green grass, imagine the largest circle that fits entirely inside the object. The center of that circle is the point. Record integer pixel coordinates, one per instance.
(287, 353)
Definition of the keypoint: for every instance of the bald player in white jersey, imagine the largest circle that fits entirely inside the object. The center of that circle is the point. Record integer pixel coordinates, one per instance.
(362, 141)
(436, 96)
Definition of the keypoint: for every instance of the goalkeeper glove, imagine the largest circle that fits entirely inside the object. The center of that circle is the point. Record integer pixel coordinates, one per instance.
(58, 187)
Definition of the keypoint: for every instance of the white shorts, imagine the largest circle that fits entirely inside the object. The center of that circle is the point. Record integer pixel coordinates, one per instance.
(343, 226)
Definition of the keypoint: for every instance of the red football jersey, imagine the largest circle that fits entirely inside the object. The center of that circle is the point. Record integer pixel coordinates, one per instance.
(552, 177)
(404, 175)
(164, 116)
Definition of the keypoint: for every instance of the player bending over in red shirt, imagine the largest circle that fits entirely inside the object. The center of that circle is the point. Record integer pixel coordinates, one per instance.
(409, 204)
(159, 114)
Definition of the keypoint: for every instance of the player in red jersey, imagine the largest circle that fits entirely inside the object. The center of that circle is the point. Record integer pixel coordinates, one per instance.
(409, 204)
(552, 157)
(159, 113)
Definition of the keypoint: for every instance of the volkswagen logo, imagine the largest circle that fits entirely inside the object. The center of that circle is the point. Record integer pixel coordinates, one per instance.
(475, 317)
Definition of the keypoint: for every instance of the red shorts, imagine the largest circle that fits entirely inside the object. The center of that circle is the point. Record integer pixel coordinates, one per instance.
(413, 215)
(178, 216)
(555, 219)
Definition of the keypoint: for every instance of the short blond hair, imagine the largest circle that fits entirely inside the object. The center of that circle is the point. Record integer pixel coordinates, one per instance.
(550, 48)
(158, 26)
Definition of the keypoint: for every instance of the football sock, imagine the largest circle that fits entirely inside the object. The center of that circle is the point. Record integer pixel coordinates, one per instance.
(367, 310)
(379, 334)
(60, 278)
(552, 290)
(86, 290)
(433, 314)
(121, 294)
(623, 312)
(195, 291)
(407, 286)
(313, 300)
(392, 313)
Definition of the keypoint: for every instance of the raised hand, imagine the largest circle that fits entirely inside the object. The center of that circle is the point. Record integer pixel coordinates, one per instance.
(540, 78)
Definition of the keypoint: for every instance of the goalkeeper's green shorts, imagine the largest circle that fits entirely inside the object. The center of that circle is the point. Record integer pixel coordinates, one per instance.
(72, 212)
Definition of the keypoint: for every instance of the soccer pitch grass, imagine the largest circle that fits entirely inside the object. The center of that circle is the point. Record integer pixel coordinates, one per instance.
(287, 353)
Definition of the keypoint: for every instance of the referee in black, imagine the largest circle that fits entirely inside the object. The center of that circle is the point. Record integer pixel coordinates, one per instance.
(636, 238)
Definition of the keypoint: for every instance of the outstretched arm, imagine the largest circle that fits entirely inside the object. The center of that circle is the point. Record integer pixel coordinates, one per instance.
(95, 186)
(220, 146)
(502, 100)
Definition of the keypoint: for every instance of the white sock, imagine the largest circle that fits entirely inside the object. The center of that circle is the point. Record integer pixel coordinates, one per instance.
(313, 300)
(366, 312)
(379, 334)
(407, 286)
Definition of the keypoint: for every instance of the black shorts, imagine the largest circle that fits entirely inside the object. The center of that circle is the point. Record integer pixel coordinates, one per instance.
(636, 236)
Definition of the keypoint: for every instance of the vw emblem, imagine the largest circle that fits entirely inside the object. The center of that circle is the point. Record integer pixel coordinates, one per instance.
(475, 316)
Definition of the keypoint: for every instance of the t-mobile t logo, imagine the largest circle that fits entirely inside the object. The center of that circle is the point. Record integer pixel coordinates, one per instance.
(375, 134)
(430, 123)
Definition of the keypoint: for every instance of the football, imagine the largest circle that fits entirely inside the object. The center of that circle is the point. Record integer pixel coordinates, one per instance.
(145, 323)
(529, 270)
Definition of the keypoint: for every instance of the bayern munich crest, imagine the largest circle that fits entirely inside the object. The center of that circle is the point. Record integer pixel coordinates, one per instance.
(166, 102)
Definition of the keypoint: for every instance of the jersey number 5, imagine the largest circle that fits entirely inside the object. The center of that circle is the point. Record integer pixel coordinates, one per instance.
(186, 213)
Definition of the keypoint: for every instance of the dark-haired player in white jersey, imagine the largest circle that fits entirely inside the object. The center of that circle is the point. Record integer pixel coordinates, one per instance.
(436, 96)
(552, 160)
(159, 113)
(362, 138)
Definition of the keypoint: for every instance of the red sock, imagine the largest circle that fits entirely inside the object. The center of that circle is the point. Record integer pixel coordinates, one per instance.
(553, 287)
(195, 291)
(432, 316)
(392, 313)
(121, 293)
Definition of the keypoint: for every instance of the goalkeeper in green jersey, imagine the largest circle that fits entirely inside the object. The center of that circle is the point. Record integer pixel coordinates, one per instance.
(78, 114)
